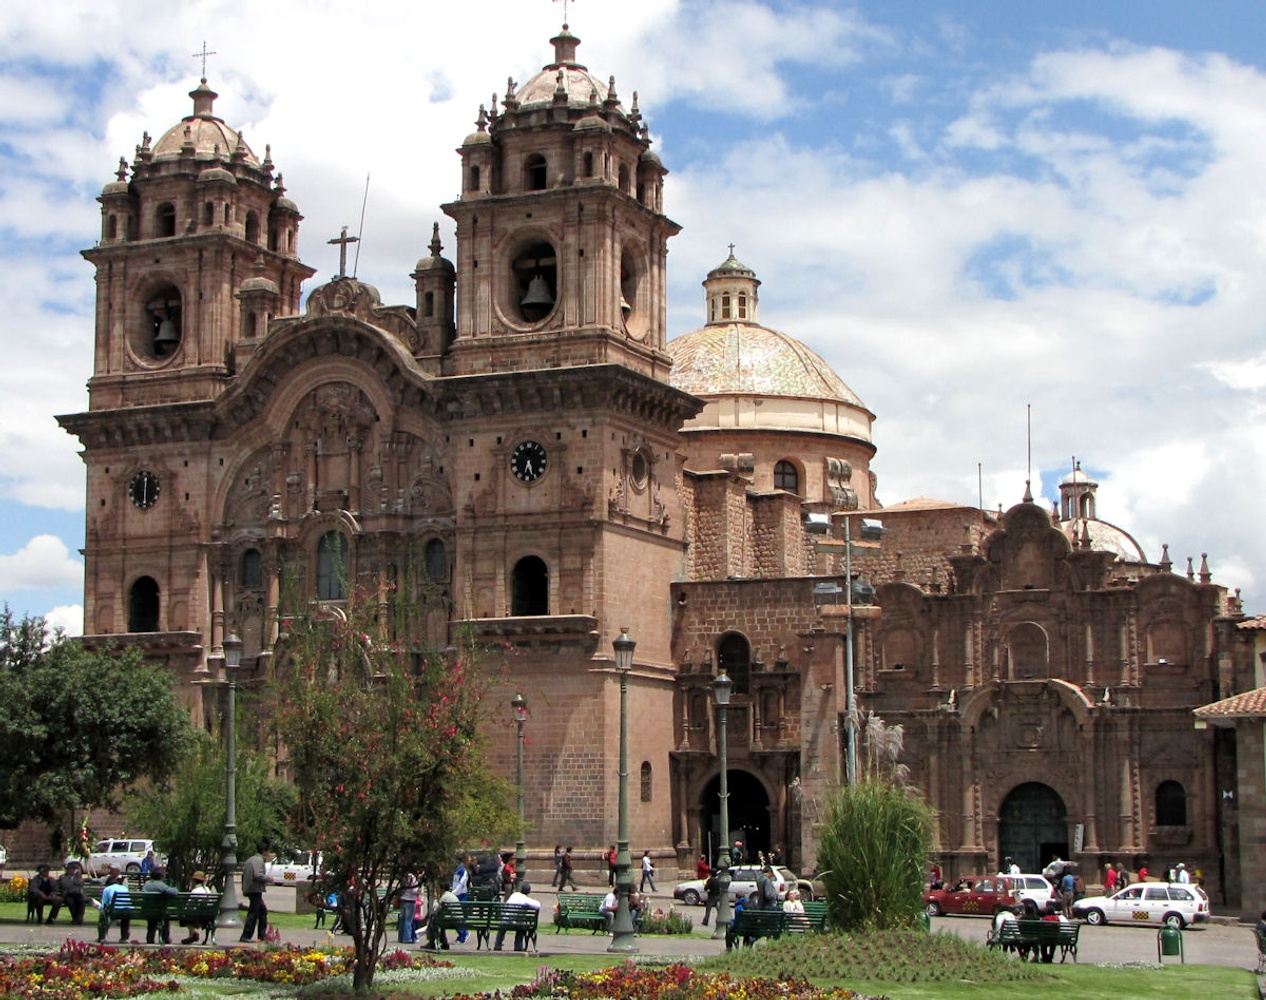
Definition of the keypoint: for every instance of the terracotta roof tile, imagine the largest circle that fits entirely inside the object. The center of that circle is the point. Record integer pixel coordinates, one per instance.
(1247, 705)
(1254, 623)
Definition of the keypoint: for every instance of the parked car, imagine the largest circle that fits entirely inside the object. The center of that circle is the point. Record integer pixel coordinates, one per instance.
(973, 895)
(1173, 904)
(743, 883)
(127, 854)
(294, 866)
(1036, 892)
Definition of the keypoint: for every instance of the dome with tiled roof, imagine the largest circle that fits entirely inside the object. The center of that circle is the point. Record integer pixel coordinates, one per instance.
(564, 75)
(733, 357)
(202, 133)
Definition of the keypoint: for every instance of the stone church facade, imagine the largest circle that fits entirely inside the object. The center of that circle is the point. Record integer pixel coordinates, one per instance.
(560, 470)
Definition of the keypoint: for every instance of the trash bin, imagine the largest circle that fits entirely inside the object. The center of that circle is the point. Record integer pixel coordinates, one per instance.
(1169, 943)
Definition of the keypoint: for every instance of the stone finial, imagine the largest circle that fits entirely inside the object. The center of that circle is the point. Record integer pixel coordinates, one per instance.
(145, 141)
(634, 112)
(1191, 573)
(1166, 563)
(279, 188)
(1205, 575)
(593, 97)
(436, 245)
(268, 157)
(481, 122)
(121, 173)
(1028, 492)
(612, 97)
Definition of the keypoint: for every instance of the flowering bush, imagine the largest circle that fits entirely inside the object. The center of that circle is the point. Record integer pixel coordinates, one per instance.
(676, 982)
(670, 922)
(14, 890)
(80, 970)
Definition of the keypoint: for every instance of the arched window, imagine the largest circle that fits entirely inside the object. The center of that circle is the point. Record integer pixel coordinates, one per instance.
(428, 304)
(734, 656)
(112, 227)
(142, 605)
(208, 214)
(535, 173)
(436, 561)
(228, 214)
(587, 169)
(698, 711)
(252, 227)
(474, 179)
(742, 306)
(251, 569)
(1171, 804)
(165, 220)
(331, 571)
(1029, 651)
(786, 477)
(529, 587)
(624, 178)
(725, 306)
(646, 781)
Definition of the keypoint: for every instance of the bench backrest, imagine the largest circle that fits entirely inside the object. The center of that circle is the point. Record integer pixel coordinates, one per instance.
(580, 903)
(759, 919)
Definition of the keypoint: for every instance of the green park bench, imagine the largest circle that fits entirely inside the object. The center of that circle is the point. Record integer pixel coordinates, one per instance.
(1026, 937)
(484, 917)
(186, 908)
(583, 910)
(750, 925)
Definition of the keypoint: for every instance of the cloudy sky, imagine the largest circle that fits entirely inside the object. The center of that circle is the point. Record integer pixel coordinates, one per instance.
(965, 207)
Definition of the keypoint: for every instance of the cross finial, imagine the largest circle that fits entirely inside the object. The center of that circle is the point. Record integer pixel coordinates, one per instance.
(342, 242)
(564, 3)
(203, 56)
(731, 249)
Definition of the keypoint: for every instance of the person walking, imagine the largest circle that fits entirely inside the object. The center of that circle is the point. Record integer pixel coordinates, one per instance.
(254, 880)
(702, 868)
(711, 896)
(566, 875)
(1067, 891)
(1109, 880)
(1181, 875)
(557, 880)
(648, 872)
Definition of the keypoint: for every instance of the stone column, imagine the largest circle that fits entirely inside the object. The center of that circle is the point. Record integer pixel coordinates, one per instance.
(1128, 840)
(934, 778)
(272, 569)
(1090, 767)
(971, 839)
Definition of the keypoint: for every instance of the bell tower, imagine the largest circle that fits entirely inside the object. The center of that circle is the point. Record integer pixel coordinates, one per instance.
(200, 221)
(561, 237)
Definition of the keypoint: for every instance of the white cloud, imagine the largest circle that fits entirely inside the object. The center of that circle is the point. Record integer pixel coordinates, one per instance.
(43, 562)
(68, 617)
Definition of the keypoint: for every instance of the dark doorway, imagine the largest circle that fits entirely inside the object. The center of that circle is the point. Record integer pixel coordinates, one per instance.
(142, 605)
(749, 815)
(529, 588)
(1032, 826)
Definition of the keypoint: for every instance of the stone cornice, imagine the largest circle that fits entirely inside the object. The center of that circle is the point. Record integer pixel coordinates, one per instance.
(138, 426)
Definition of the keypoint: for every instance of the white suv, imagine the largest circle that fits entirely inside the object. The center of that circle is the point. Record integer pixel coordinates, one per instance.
(1036, 891)
(742, 883)
(127, 854)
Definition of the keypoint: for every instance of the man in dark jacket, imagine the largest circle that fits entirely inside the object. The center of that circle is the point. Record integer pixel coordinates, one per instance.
(712, 897)
(254, 880)
(41, 891)
(70, 892)
(155, 885)
(766, 891)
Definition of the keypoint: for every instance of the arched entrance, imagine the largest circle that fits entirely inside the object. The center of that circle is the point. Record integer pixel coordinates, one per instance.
(1032, 826)
(749, 814)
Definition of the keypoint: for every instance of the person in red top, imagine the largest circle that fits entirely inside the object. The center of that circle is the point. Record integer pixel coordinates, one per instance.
(1109, 880)
(612, 856)
(702, 868)
(1142, 873)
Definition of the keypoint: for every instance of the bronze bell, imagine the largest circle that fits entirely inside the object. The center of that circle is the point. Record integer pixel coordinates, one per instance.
(538, 293)
(167, 338)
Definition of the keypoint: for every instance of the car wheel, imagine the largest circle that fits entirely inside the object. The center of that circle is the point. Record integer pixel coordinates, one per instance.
(1175, 921)
(691, 898)
(932, 909)
(133, 868)
(1095, 917)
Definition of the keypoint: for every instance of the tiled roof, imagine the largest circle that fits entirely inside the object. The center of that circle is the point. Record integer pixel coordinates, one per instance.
(1248, 705)
(1254, 623)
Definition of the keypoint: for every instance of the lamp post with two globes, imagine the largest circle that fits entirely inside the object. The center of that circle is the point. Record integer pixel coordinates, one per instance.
(623, 933)
(721, 688)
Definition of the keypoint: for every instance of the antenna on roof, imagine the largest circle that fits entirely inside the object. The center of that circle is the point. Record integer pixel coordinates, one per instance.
(1028, 435)
(980, 488)
(361, 231)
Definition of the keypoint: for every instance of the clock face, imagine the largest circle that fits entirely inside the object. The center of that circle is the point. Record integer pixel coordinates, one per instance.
(142, 490)
(527, 461)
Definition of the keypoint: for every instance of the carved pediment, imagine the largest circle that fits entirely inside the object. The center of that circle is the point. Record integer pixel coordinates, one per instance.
(349, 297)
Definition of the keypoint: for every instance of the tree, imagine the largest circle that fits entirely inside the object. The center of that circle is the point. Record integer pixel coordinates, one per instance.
(381, 741)
(79, 726)
(185, 815)
(875, 841)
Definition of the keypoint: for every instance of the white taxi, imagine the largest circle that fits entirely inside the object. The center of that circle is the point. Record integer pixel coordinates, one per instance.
(1170, 903)
(294, 866)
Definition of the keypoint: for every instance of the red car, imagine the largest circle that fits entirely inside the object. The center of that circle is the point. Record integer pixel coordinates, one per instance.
(972, 895)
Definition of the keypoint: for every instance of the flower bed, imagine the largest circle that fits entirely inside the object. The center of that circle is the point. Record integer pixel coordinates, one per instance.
(82, 970)
(676, 982)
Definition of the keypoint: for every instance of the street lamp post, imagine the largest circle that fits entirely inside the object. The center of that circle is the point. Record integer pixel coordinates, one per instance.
(519, 706)
(228, 919)
(721, 687)
(850, 710)
(623, 937)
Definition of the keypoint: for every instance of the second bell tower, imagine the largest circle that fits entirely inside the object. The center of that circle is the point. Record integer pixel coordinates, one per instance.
(561, 237)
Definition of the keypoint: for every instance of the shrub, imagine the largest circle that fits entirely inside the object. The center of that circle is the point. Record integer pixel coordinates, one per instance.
(873, 852)
(671, 922)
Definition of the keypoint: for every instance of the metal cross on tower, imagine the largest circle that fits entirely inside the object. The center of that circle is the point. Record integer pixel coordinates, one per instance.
(342, 242)
(203, 56)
